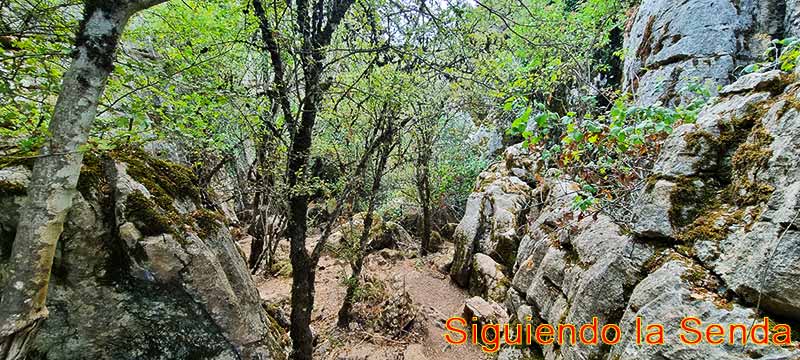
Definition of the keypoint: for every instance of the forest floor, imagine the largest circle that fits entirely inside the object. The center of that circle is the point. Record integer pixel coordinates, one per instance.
(433, 296)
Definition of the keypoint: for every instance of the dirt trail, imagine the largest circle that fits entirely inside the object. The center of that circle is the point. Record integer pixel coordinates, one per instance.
(435, 297)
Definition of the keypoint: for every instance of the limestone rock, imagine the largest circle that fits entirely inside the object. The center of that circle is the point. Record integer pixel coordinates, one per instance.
(493, 215)
(488, 279)
(754, 81)
(680, 43)
(484, 311)
(667, 296)
(183, 293)
(672, 44)
(653, 218)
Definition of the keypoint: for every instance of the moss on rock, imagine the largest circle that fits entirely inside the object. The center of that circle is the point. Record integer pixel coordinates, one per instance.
(145, 213)
(690, 198)
(92, 175)
(750, 158)
(207, 221)
(165, 180)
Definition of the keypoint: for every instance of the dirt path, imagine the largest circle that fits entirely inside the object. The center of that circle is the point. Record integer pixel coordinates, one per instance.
(435, 297)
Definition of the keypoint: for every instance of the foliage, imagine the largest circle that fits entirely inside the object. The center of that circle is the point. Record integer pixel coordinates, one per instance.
(782, 54)
(35, 41)
(545, 50)
(602, 152)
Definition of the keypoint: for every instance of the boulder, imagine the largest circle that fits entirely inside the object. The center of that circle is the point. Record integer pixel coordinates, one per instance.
(488, 279)
(169, 279)
(766, 81)
(671, 293)
(479, 311)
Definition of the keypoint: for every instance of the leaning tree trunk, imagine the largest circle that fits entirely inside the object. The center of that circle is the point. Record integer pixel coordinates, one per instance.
(55, 173)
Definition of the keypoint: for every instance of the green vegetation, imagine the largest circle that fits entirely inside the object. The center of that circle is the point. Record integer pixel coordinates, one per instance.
(299, 115)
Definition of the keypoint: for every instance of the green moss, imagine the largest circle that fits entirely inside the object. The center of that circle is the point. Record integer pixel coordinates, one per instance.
(19, 159)
(660, 258)
(164, 180)
(749, 159)
(705, 227)
(208, 222)
(689, 200)
(92, 176)
(144, 212)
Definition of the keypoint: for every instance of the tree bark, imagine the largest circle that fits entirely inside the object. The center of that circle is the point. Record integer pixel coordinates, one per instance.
(424, 193)
(55, 173)
(315, 39)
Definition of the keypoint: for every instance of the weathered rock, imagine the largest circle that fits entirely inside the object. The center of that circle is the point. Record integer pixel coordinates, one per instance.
(716, 228)
(13, 181)
(479, 311)
(183, 293)
(488, 279)
(653, 217)
(667, 296)
(756, 81)
(765, 256)
(679, 43)
(670, 44)
(494, 213)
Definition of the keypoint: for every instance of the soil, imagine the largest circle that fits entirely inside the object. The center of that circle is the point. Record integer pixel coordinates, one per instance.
(434, 297)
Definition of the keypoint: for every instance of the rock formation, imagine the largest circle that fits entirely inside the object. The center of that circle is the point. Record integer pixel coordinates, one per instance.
(716, 232)
(146, 269)
(672, 44)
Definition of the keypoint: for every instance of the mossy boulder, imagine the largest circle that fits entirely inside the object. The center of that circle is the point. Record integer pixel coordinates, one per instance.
(142, 259)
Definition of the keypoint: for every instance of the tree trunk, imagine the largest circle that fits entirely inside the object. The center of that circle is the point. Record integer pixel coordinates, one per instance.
(302, 305)
(303, 267)
(55, 173)
(315, 39)
(424, 193)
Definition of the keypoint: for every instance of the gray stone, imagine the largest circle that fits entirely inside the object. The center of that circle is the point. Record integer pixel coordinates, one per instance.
(665, 297)
(488, 279)
(129, 234)
(168, 296)
(680, 43)
(493, 215)
(652, 211)
(755, 81)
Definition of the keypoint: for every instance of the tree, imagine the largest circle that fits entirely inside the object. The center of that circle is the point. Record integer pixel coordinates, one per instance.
(389, 141)
(56, 170)
(316, 34)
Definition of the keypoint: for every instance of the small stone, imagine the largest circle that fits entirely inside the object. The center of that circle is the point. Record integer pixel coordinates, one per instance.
(754, 81)
(130, 234)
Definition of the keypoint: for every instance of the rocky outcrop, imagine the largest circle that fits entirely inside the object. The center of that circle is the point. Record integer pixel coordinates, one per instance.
(672, 44)
(494, 214)
(145, 270)
(715, 234)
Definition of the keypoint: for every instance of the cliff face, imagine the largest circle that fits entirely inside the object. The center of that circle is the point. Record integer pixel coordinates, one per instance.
(145, 269)
(671, 44)
(716, 234)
